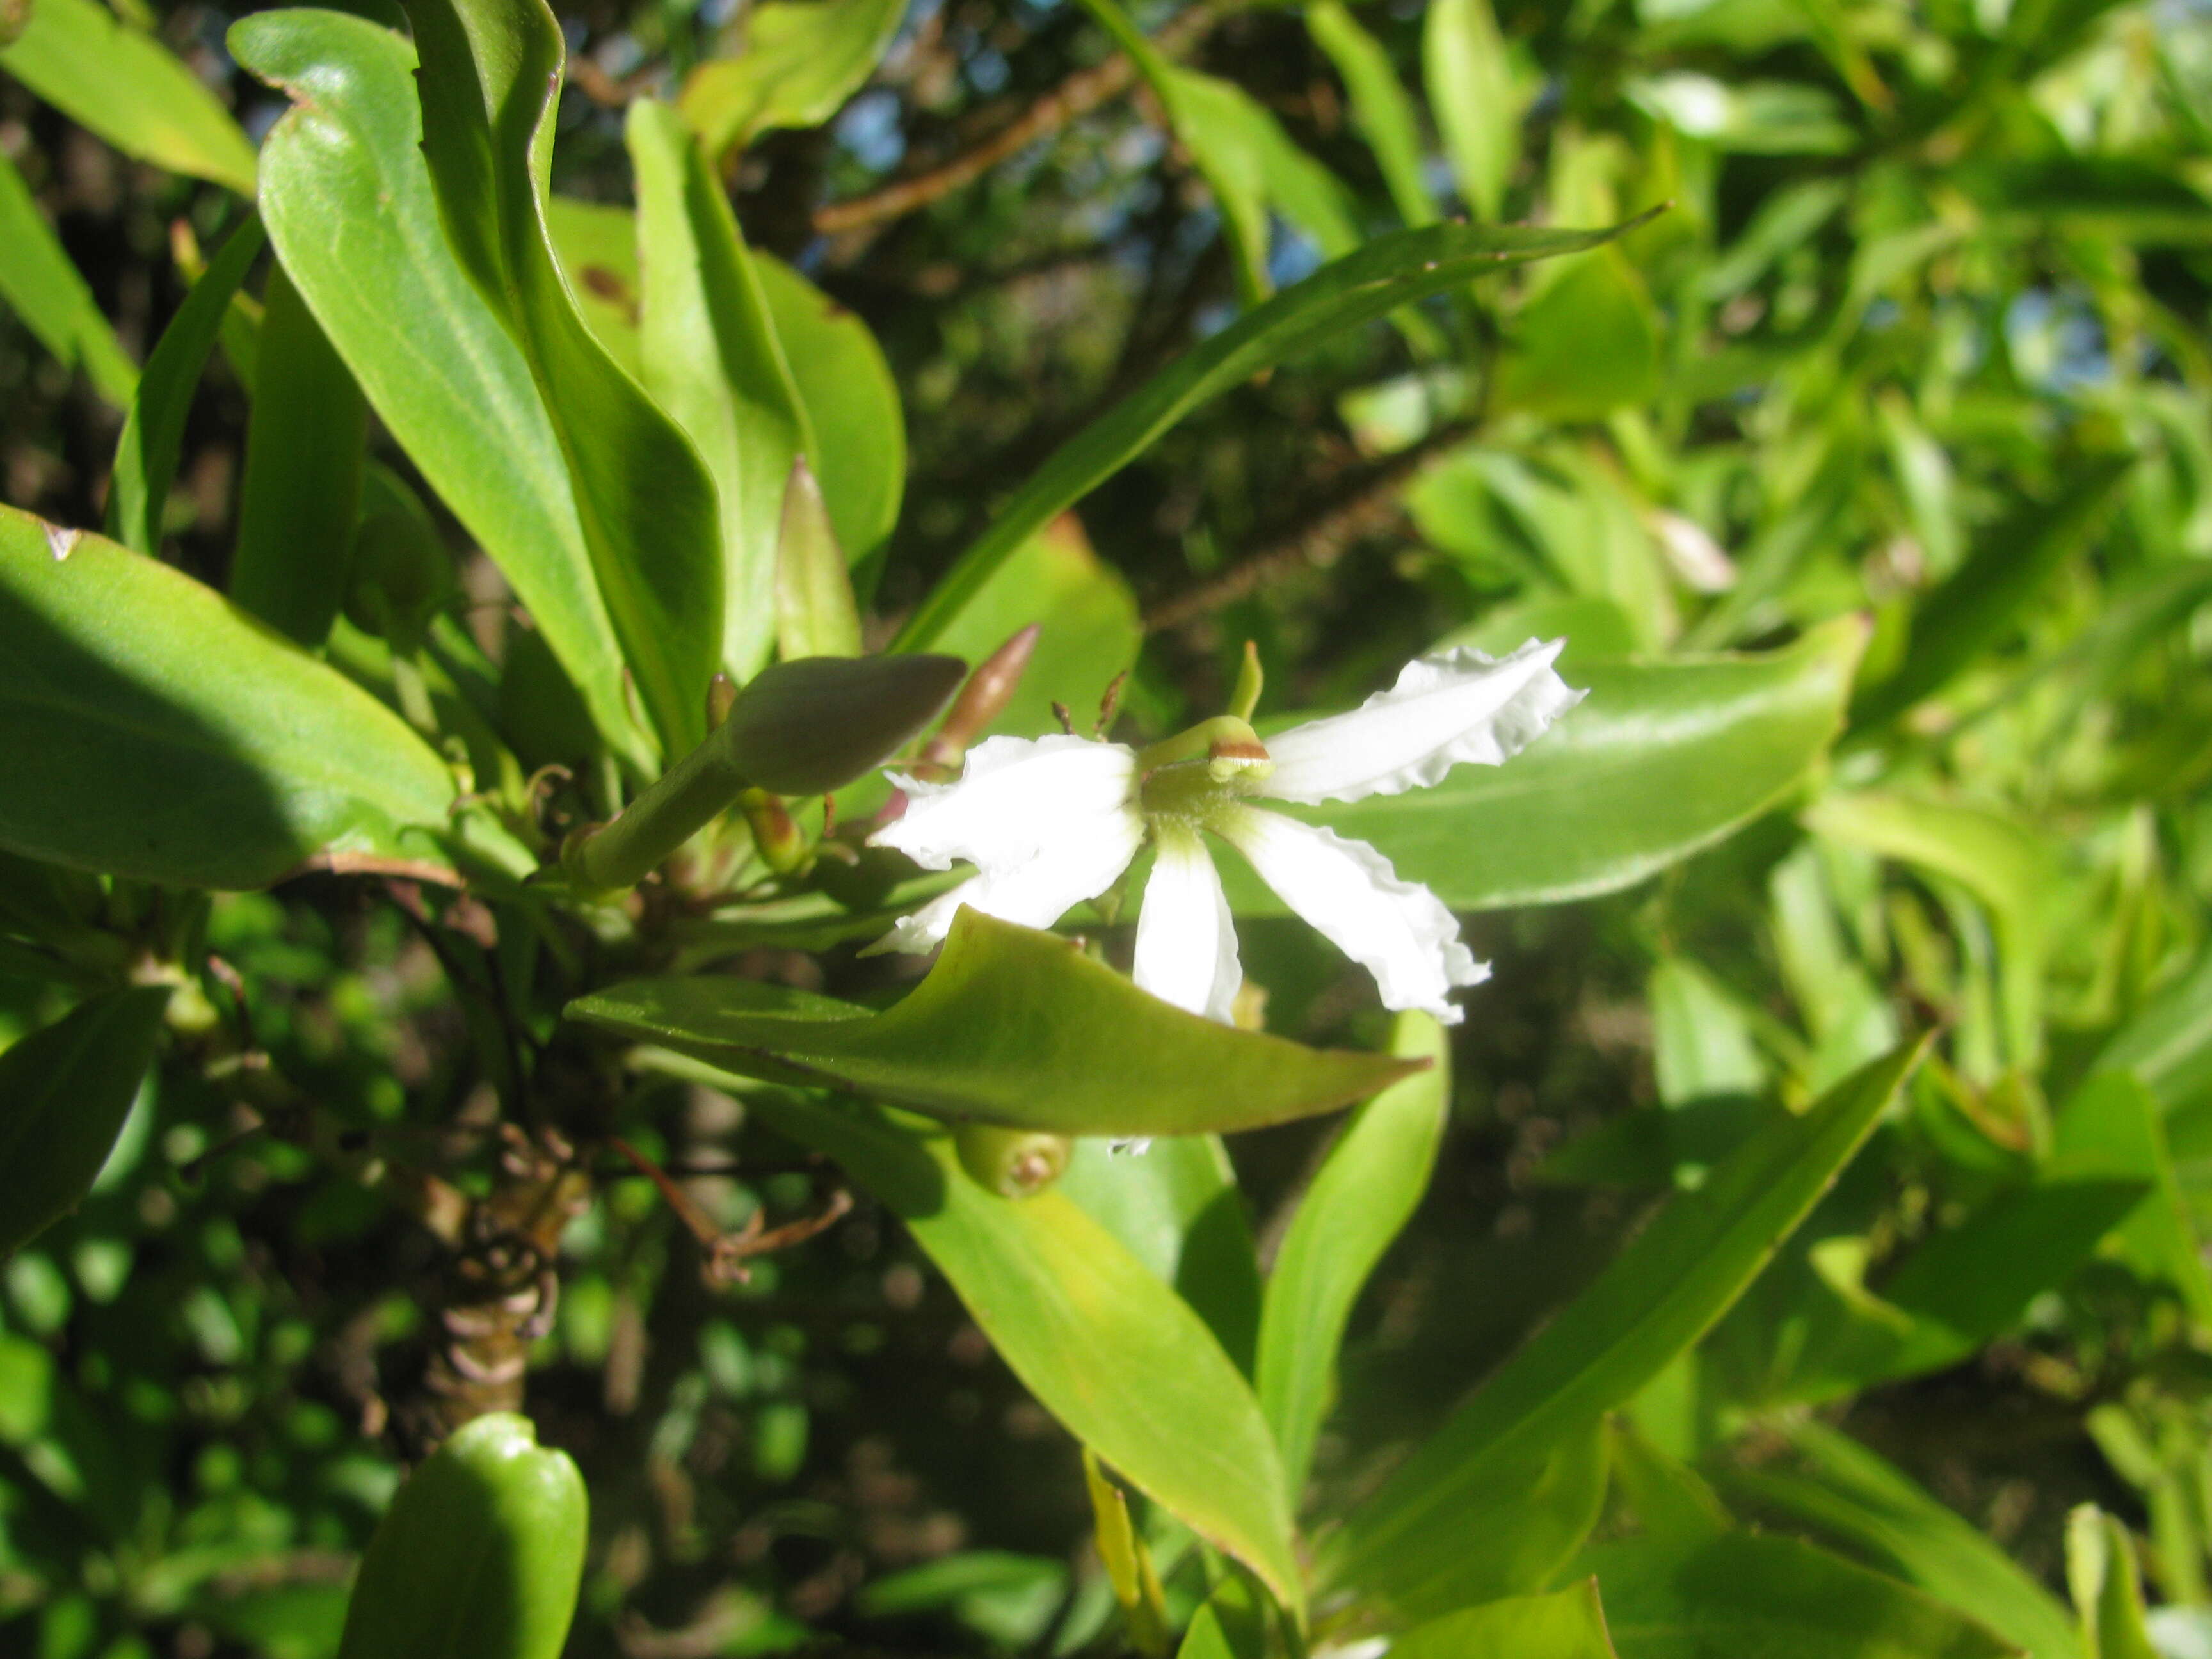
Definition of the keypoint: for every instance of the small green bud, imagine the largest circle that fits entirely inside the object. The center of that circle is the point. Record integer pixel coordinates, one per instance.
(808, 726)
(1012, 1163)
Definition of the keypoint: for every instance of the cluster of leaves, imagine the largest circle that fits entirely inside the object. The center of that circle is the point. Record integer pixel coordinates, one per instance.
(1838, 1132)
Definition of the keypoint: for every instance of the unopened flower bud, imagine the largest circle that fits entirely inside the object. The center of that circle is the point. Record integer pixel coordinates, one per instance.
(981, 700)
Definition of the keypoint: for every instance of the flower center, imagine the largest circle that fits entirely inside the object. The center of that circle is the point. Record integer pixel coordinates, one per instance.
(1192, 774)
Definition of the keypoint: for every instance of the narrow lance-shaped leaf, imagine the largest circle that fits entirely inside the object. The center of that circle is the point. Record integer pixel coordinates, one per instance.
(349, 204)
(710, 357)
(1659, 762)
(157, 730)
(124, 85)
(1012, 1026)
(305, 444)
(1658, 1296)
(65, 1092)
(1382, 110)
(1101, 1343)
(815, 615)
(154, 430)
(40, 286)
(1471, 91)
(489, 79)
(1364, 1193)
(1389, 272)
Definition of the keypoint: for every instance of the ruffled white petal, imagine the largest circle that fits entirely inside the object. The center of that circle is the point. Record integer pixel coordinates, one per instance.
(1019, 799)
(1035, 894)
(1186, 942)
(1399, 931)
(1458, 706)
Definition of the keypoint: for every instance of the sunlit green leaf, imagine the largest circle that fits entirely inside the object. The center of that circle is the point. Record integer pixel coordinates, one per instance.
(794, 64)
(41, 286)
(1569, 1624)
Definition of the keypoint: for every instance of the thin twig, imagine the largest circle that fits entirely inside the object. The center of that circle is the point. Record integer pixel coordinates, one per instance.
(1072, 99)
(1367, 504)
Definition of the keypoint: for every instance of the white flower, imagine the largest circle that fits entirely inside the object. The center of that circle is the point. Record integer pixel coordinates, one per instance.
(1051, 822)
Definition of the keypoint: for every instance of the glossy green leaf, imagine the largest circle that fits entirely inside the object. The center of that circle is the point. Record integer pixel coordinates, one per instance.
(1012, 1026)
(1473, 96)
(1659, 762)
(1863, 1503)
(480, 1555)
(794, 65)
(851, 406)
(1387, 273)
(41, 286)
(1748, 1597)
(489, 78)
(1086, 619)
(710, 357)
(1655, 1299)
(154, 430)
(1177, 1209)
(1362, 1197)
(349, 204)
(1568, 1624)
(157, 730)
(1093, 1334)
(1985, 597)
(305, 444)
(124, 85)
(65, 1092)
(1382, 110)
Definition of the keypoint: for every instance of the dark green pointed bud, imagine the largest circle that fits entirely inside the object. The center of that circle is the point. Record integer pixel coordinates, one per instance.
(479, 1556)
(1012, 1163)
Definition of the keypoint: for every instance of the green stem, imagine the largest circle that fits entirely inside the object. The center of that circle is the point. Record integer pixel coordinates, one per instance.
(624, 852)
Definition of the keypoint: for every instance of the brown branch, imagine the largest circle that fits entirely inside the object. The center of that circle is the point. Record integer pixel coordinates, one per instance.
(1072, 99)
(1368, 503)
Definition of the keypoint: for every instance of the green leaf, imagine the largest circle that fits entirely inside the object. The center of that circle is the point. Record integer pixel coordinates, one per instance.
(1363, 1194)
(1569, 1624)
(2002, 862)
(154, 430)
(1012, 1026)
(157, 730)
(1177, 1209)
(1748, 1597)
(1105, 1347)
(126, 86)
(479, 1556)
(797, 62)
(305, 444)
(1382, 111)
(2100, 1571)
(1659, 762)
(43, 288)
(1087, 628)
(489, 78)
(1587, 345)
(2112, 1126)
(1855, 1499)
(710, 357)
(2168, 1045)
(815, 614)
(65, 1092)
(349, 204)
(1473, 96)
(1702, 1044)
(851, 402)
(1655, 1299)
(1972, 611)
(1387, 273)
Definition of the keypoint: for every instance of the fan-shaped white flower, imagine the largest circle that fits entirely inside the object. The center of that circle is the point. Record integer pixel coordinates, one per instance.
(1050, 822)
